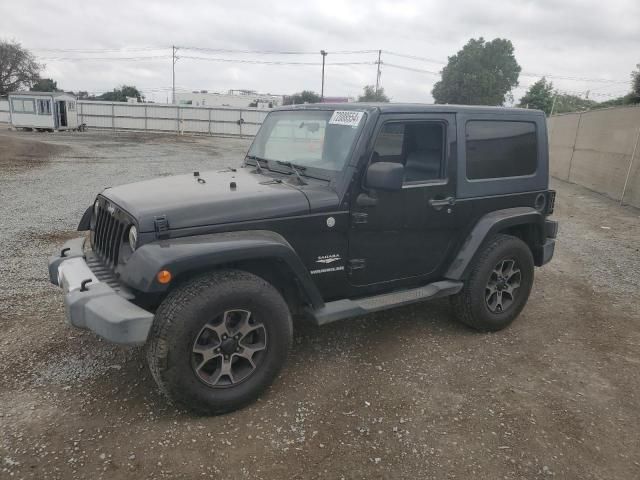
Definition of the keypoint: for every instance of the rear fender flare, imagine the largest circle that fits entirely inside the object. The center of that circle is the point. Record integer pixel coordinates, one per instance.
(488, 225)
(180, 256)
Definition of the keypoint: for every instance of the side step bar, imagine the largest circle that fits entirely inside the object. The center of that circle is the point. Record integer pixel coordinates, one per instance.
(341, 309)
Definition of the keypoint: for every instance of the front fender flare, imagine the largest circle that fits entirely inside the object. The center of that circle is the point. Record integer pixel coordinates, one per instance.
(197, 253)
(487, 225)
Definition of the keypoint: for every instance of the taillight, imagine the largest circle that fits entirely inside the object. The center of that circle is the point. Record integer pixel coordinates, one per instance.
(551, 201)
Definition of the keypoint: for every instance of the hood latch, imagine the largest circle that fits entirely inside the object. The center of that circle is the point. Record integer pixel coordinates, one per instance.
(161, 225)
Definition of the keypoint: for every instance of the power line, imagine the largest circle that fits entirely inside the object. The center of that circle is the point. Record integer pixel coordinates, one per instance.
(413, 57)
(270, 62)
(275, 52)
(524, 74)
(411, 69)
(89, 59)
(100, 50)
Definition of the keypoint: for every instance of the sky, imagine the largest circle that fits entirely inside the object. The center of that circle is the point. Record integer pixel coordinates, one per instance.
(587, 45)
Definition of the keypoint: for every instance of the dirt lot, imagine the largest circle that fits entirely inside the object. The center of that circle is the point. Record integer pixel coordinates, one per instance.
(401, 394)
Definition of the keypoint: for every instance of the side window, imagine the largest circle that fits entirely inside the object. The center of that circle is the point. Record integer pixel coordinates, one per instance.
(388, 147)
(499, 149)
(419, 146)
(17, 105)
(44, 107)
(29, 106)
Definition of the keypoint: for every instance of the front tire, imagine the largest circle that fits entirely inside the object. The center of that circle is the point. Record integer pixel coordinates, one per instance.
(219, 340)
(498, 286)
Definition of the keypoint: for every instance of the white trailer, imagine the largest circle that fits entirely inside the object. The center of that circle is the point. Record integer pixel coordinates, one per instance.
(43, 110)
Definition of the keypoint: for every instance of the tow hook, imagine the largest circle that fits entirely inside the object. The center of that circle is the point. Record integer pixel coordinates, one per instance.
(83, 285)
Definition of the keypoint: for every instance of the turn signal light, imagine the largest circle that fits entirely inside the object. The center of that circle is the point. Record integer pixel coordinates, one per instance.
(163, 276)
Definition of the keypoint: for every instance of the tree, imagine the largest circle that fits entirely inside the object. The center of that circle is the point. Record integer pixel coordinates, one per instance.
(540, 95)
(634, 96)
(84, 95)
(370, 95)
(121, 94)
(305, 96)
(566, 103)
(18, 67)
(482, 73)
(45, 85)
(614, 102)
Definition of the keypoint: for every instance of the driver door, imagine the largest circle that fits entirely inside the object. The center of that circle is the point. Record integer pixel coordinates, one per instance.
(406, 235)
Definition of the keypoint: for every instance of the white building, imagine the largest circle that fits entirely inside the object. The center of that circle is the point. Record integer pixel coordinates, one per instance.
(43, 110)
(234, 98)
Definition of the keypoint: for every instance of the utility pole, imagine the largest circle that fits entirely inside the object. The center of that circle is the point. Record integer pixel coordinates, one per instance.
(174, 49)
(324, 54)
(378, 74)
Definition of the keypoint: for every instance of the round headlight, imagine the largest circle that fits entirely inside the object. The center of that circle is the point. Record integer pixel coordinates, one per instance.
(96, 204)
(133, 237)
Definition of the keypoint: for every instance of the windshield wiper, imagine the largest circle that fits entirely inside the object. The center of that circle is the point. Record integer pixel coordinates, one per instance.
(257, 160)
(294, 169)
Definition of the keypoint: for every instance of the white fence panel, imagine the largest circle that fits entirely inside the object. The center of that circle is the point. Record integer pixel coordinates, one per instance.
(162, 124)
(164, 118)
(162, 111)
(4, 111)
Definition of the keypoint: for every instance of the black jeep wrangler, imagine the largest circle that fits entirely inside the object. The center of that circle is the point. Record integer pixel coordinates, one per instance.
(337, 211)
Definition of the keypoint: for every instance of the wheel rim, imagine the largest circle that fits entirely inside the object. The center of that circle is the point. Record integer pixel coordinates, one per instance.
(502, 287)
(228, 349)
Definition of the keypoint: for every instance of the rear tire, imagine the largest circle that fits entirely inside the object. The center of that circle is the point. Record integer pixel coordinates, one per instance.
(219, 340)
(498, 286)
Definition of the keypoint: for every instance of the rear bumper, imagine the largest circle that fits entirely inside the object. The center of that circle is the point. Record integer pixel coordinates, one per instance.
(544, 253)
(94, 305)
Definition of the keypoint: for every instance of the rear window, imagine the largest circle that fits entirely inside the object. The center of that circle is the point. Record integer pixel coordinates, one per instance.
(498, 149)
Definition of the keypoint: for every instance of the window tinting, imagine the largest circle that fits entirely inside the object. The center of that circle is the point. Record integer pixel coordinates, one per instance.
(419, 146)
(497, 149)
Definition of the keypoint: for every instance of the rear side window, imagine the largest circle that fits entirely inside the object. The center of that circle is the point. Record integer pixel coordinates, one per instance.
(498, 149)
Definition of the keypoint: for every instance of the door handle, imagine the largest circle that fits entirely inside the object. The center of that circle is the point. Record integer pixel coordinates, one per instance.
(438, 203)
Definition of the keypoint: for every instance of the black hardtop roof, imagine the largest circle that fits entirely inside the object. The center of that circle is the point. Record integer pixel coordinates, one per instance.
(411, 108)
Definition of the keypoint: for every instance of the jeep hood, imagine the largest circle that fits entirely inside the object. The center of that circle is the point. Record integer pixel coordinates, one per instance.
(214, 199)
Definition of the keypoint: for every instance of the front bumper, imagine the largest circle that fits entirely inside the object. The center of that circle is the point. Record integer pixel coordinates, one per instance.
(93, 304)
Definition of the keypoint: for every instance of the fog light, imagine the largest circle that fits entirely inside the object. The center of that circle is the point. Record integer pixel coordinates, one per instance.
(163, 276)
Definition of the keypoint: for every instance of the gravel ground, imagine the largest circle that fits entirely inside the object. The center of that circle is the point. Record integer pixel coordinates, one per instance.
(404, 393)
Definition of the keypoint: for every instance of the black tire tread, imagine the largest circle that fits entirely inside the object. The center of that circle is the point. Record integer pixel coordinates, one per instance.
(168, 313)
(462, 303)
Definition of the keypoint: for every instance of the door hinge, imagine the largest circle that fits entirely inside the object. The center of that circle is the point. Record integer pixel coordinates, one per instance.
(359, 217)
(161, 225)
(356, 264)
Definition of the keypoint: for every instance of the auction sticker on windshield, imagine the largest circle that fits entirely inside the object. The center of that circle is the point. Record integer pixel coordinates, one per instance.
(348, 118)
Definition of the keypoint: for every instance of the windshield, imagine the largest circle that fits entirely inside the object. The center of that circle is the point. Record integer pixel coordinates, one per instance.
(314, 139)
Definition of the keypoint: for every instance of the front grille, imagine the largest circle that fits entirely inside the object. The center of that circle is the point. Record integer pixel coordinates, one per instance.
(102, 273)
(108, 236)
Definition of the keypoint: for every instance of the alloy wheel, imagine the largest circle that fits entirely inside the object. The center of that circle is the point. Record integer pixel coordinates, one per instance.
(504, 282)
(228, 349)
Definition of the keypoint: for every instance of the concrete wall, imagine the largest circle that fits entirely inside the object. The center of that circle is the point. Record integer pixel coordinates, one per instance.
(594, 149)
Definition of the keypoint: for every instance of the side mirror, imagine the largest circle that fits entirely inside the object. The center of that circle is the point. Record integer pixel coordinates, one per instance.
(385, 176)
